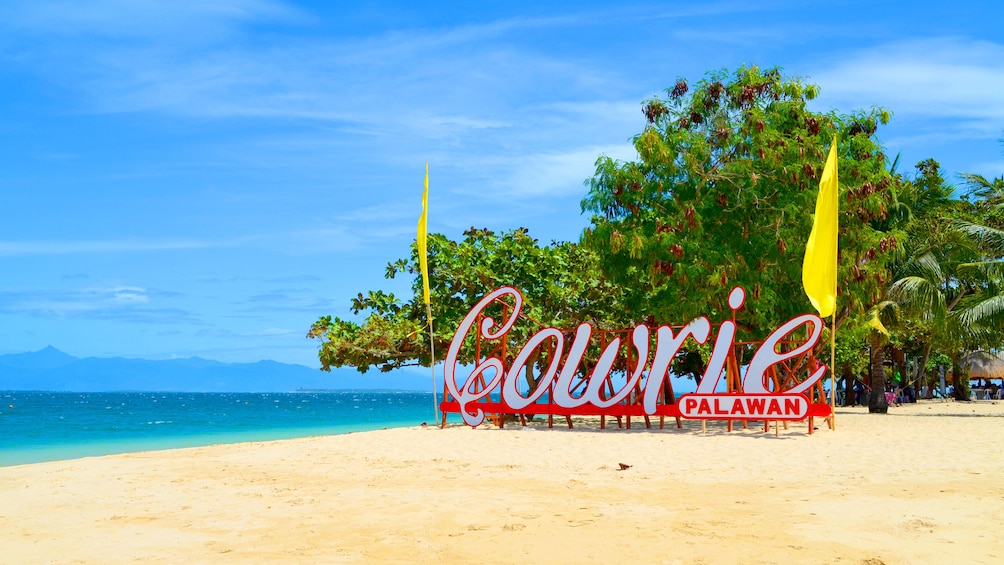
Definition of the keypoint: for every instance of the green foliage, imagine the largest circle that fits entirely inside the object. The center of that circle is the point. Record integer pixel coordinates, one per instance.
(948, 275)
(962, 253)
(723, 194)
(849, 350)
(560, 285)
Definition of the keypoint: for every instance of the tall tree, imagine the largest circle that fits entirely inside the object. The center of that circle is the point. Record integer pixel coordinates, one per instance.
(722, 194)
(949, 277)
(560, 285)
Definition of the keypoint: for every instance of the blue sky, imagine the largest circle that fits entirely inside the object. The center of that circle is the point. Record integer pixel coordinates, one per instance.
(207, 178)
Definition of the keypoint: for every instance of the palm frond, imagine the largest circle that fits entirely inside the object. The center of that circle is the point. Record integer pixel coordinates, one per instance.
(984, 312)
(929, 267)
(919, 294)
(990, 272)
(982, 187)
(991, 237)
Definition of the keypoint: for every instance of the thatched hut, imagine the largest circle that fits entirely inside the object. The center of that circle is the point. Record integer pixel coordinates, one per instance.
(985, 367)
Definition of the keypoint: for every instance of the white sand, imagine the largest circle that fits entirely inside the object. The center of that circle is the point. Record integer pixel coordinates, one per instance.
(923, 484)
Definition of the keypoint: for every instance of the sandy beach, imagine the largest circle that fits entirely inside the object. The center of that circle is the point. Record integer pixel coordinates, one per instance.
(923, 484)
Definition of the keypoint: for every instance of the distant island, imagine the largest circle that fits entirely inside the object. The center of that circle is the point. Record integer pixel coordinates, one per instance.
(52, 369)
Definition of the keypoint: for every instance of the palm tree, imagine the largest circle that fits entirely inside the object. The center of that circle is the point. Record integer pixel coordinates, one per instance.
(952, 273)
(989, 190)
(877, 403)
(985, 313)
(937, 279)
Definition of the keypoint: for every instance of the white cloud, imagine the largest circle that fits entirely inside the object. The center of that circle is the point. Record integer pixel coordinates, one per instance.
(10, 248)
(392, 211)
(124, 303)
(740, 36)
(989, 169)
(267, 332)
(945, 132)
(294, 241)
(551, 174)
(942, 77)
(436, 83)
(128, 295)
(142, 18)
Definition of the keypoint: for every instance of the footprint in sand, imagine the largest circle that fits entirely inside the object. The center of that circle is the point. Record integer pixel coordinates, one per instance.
(919, 525)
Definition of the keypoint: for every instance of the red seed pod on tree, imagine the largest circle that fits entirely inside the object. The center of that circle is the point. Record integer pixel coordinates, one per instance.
(679, 89)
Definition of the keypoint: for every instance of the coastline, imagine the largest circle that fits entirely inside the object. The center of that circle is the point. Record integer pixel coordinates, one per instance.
(108, 447)
(42, 426)
(920, 484)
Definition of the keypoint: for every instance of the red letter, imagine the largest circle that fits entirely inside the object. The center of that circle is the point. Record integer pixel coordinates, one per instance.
(737, 407)
(791, 406)
(755, 405)
(705, 408)
(774, 407)
(718, 408)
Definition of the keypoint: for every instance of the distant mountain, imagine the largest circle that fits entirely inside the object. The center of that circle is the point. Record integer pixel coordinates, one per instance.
(51, 369)
(48, 358)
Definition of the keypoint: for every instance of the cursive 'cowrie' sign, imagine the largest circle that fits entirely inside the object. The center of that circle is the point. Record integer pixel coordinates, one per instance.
(493, 387)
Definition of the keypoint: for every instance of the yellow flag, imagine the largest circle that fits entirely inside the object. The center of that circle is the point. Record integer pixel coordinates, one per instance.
(423, 258)
(819, 270)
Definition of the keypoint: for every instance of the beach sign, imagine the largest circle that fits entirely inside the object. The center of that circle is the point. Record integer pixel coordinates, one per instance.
(773, 387)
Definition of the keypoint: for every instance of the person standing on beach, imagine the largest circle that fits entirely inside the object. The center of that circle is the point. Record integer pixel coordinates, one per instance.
(859, 390)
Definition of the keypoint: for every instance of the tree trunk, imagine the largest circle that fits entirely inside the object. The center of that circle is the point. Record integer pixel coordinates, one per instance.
(960, 380)
(848, 385)
(922, 371)
(532, 382)
(899, 358)
(876, 401)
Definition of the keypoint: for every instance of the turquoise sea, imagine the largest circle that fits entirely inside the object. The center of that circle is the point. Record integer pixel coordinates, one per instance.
(48, 426)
